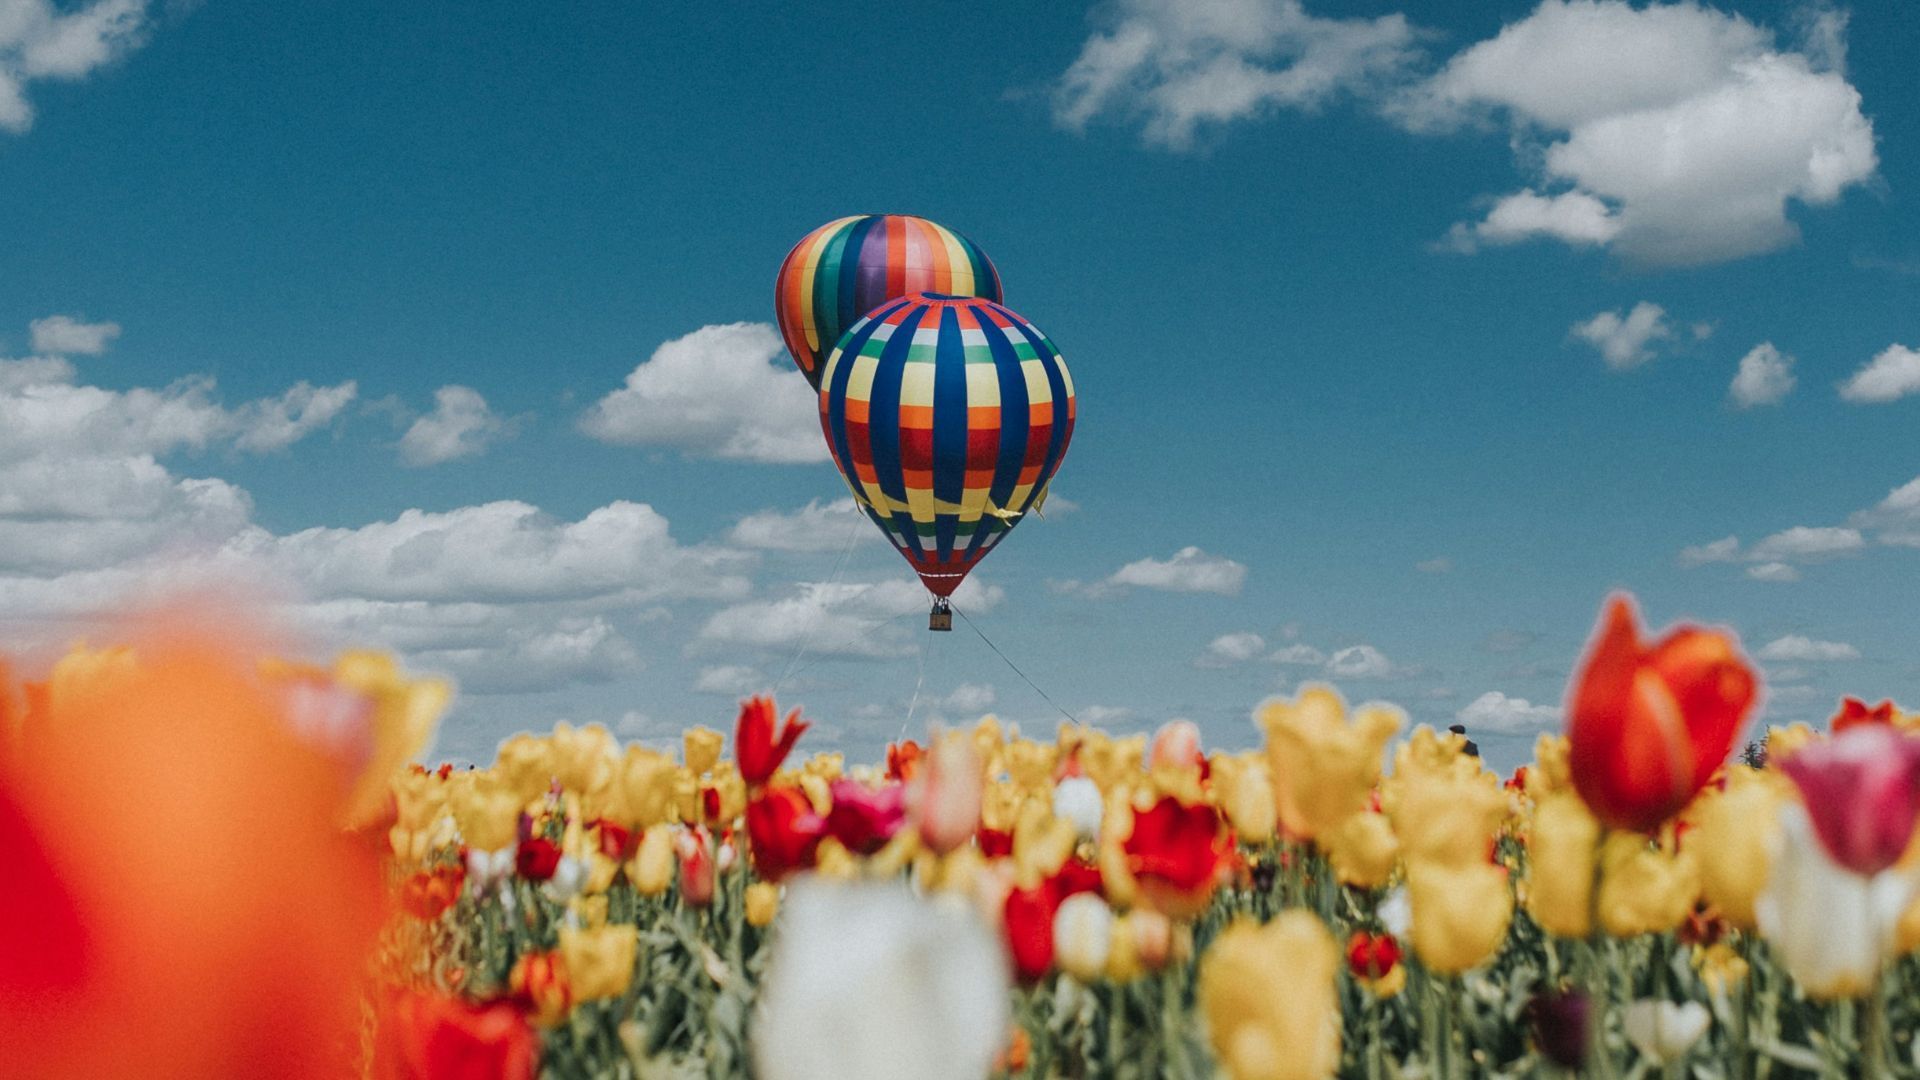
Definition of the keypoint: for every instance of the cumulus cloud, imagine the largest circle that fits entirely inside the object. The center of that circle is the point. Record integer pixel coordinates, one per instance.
(1765, 377)
(723, 391)
(1798, 648)
(63, 335)
(1625, 341)
(844, 619)
(277, 423)
(1673, 134)
(730, 680)
(461, 424)
(1774, 557)
(1773, 571)
(817, 526)
(1178, 67)
(41, 41)
(1890, 376)
(1896, 518)
(1189, 570)
(1496, 712)
(968, 698)
(1359, 662)
(1298, 655)
(1230, 649)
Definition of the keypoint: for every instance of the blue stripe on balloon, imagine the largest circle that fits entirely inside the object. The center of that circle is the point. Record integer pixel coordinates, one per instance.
(883, 420)
(949, 422)
(1013, 426)
(834, 393)
(1057, 384)
(847, 310)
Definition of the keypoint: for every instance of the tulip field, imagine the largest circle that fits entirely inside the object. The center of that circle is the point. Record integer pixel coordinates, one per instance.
(277, 888)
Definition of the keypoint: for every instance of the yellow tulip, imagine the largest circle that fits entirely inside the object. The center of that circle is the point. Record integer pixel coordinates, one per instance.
(526, 763)
(1733, 839)
(1324, 764)
(1363, 850)
(826, 766)
(702, 749)
(763, 903)
(1029, 763)
(486, 808)
(599, 961)
(1460, 914)
(1561, 848)
(646, 780)
(591, 911)
(1270, 1000)
(1782, 742)
(585, 759)
(1645, 889)
(1245, 786)
(651, 869)
(1123, 955)
(1720, 967)
(600, 873)
(1042, 843)
(1551, 770)
(1446, 815)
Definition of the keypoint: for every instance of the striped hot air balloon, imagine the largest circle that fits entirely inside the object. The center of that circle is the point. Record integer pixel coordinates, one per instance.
(948, 416)
(846, 268)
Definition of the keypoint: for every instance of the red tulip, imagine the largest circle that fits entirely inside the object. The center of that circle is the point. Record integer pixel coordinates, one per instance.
(1074, 877)
(617, 842)
(1029, 924)
(755, 747)
(1854, 712)
(1176, 852)
(903, 759)
(863, 819)
(426, 895)
(1862, 790)
(537, 859)
(994, 843)
(1372, 956)
(784, 831)
(1648, 725)
(428, 1037)
(696, 866)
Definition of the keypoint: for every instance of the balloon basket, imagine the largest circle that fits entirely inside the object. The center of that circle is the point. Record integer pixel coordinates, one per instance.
(941, 617)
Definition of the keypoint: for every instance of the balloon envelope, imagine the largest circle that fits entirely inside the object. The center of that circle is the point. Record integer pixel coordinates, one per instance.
(947, 415)
(846, 268)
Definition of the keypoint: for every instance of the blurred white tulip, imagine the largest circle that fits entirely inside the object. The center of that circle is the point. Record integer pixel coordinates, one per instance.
(1831, 927)
(1664, 1031)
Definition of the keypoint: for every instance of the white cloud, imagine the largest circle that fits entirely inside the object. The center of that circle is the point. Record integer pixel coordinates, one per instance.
(1103, 716)
(1890, 376)
(846, 619)
(460, 425)
(1180, 66)
(814, 527)
(1773, 571)
(969, 698)
(1765, 377)
(1230, 649)
(40, 41)
(63, 335)
(1359, 662)
(1625, 341)
(1190, 570)
(1441, 565)
(1298, 655)
(499, 552)
(277, 423)
(1798, 648)
(1674, 134)
(1725, 549)
(1496, 712)
(1896, 518)
(722, 391)
(1805, 543)
(1572, 217)
(731, 680)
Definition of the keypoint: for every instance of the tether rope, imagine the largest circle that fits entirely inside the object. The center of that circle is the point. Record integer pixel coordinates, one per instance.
(1016, 668)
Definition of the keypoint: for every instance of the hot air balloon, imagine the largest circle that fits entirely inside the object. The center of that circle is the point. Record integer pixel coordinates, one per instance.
(846, 268)
(948, 416)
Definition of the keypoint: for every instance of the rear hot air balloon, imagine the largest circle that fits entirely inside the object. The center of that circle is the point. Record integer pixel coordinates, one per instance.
(846, 268)
(948, 416)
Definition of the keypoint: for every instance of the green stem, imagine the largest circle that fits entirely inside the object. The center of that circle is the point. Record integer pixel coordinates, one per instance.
(1873, 1036)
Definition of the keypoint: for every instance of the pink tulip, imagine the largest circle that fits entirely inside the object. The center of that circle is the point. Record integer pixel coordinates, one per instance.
(950, 791)
(1862, 790)
(1177, 743)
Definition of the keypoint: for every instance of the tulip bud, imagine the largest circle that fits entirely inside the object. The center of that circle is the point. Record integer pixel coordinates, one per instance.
(1664, 1031)
(1152, 938)
(1562, 844)
(1732, 836)
(1562, 1024)
(1083, 935)
(651, 869)
(1176, 746)
(600, 960)
(763, 902)
(1077, 799)
(950, 792)
(696, 869)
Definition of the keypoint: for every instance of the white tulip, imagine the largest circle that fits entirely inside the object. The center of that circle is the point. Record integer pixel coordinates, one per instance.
(1077, 799)
(1083, 936)
(1832, 928)
(1664, 1031)
(866, 982)
(1396, 912)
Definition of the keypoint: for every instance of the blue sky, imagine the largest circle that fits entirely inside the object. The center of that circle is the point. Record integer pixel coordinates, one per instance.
(1419, 325)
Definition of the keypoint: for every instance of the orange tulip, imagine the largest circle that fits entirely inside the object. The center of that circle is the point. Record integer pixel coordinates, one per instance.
(1648, 725)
